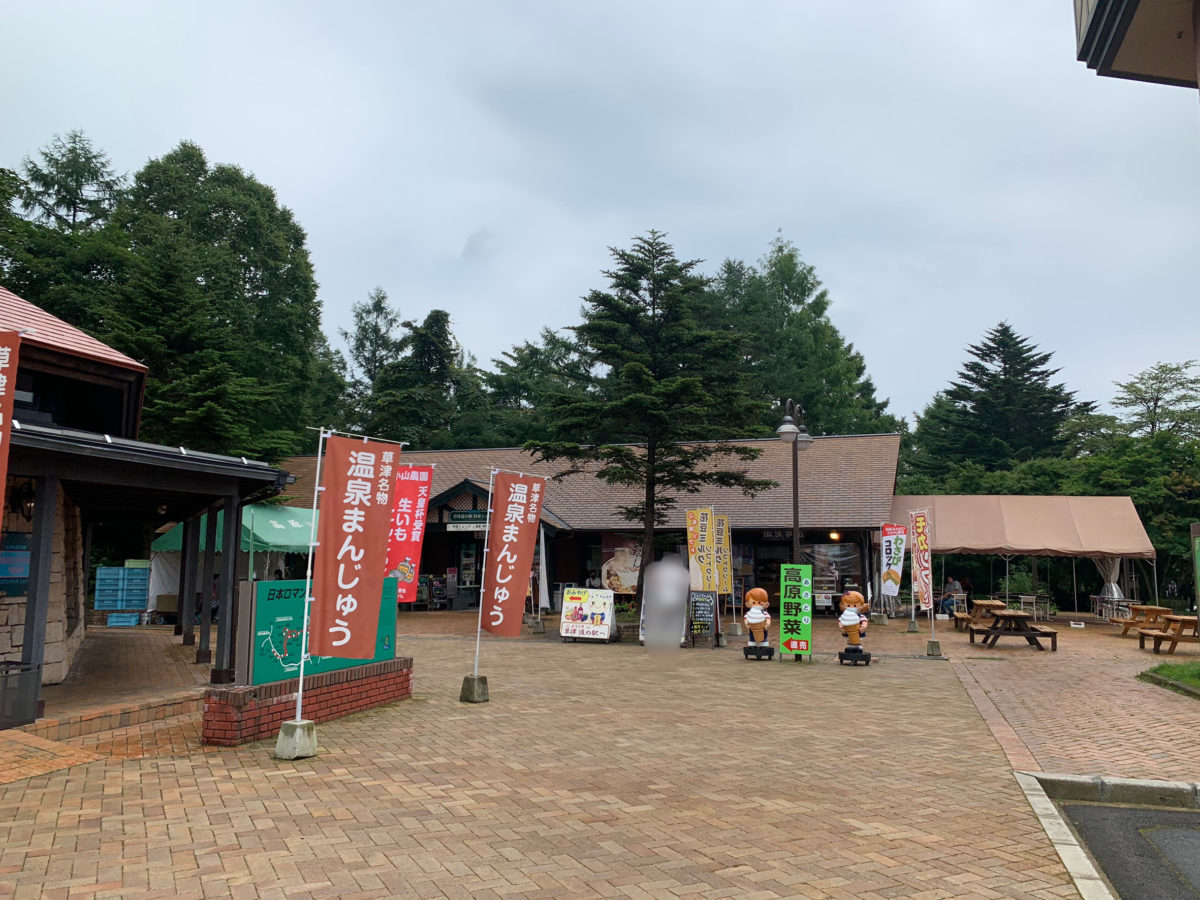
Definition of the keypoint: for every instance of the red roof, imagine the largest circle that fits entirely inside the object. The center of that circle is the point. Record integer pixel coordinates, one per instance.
(51, 332)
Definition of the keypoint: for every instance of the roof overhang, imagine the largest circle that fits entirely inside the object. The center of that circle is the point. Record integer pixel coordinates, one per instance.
(114, 478)
(1145, 40)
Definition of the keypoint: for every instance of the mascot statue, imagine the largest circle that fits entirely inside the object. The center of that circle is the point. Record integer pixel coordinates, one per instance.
(758, 624)
(853, 622)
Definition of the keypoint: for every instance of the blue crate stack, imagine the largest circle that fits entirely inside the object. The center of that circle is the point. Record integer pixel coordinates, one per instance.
(122, 590)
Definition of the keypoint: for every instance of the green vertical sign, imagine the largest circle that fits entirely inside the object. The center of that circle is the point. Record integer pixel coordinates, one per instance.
(1195, 559)
(279, 621)
(795, 610)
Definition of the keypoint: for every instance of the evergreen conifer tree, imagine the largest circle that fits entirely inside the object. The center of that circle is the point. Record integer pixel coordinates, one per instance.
(663, 391)
(1003, 409)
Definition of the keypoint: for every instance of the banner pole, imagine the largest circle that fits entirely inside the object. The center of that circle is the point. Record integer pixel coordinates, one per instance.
(483, 580)
(308, 573)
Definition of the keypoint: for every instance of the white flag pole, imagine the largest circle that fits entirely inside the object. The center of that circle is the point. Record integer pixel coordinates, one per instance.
(483, 581)
(308, 574)
(543, 598)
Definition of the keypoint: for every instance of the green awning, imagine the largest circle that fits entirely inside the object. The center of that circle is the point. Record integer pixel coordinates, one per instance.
(281, 529)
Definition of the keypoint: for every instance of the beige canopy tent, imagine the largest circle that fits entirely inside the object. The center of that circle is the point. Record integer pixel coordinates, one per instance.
(1105, 529)
(1015, 525)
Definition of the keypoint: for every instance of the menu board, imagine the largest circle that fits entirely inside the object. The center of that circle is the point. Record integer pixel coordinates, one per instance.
(702, 614)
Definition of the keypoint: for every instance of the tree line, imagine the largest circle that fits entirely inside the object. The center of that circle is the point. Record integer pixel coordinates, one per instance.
(197, 270)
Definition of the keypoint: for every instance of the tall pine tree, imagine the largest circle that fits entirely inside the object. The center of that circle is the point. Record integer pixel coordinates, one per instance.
(1003, 409)
(659, 380)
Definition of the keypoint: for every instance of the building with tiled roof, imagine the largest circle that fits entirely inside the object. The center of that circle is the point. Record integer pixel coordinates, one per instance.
(74, 464)
(846, 484)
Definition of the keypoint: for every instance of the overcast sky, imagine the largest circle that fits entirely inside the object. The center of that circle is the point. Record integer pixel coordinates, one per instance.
(943, 165)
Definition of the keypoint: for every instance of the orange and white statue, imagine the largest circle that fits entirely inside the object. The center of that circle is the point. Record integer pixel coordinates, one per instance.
(853, 622)
(758, 624)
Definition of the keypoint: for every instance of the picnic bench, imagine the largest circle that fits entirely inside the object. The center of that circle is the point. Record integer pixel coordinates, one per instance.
(1175, 630)
(963, 620)
(1141, 616)
(1014, 623)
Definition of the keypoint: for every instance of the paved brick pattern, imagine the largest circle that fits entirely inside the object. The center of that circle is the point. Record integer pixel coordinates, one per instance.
(26, 755)
(1082, 710)
(593, 771)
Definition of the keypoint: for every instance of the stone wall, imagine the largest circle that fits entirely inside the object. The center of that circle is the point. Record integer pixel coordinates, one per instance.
(238, 715)
(65, 615)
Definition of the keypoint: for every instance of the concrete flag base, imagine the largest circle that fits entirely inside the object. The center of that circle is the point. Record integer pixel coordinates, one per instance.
(474, 689)
(297, 739)
(933, 648)
(912, 627)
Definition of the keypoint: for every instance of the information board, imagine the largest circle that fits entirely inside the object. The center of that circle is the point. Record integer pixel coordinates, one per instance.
(702, 615)
(795, 609)
(587, 613)
(279, 620)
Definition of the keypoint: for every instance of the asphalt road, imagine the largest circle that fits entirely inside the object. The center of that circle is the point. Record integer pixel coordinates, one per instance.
(1146, 854)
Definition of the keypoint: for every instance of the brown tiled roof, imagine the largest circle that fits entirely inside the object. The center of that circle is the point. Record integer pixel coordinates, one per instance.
(52, 332)
(845, 482)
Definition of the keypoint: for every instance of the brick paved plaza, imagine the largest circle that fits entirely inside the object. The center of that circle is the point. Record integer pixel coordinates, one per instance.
(594, 771)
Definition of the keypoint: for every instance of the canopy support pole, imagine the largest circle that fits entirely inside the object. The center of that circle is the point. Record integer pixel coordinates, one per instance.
(1074, 587)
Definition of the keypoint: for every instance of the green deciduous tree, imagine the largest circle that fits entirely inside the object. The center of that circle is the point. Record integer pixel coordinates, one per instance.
(1165, 397)
(663, 389)
(222, 308)
(780, 313)
(526, 378)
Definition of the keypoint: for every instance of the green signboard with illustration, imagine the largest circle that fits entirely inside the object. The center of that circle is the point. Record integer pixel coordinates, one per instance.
(795, 609)
(279, 620)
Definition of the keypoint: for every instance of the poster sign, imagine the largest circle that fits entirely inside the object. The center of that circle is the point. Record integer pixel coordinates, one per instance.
(516, 512)
(14, 563)
(278, 620)
(893, 541)
(922, 556)
(724, 555)
(702, 614)
(702, 549)
(587, 613)
(352, 542)
(410, 503)
(795, 609)
(10, 350)
(622, 559)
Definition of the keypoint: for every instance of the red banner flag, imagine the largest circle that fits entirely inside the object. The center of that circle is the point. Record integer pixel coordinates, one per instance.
(356, 504)
(922, 556)
(410, 504)
(516, 510)
(10, 349)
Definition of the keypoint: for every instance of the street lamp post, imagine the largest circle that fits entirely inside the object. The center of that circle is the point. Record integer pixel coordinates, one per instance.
(792, 431)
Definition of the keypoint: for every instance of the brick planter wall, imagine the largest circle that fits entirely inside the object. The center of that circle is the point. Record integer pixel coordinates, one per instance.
(240, 714)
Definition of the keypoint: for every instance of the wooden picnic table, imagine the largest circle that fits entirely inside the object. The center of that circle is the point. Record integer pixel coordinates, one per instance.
(1175, 630)
(1142, 616)
(979, 608)
(1014, 623)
